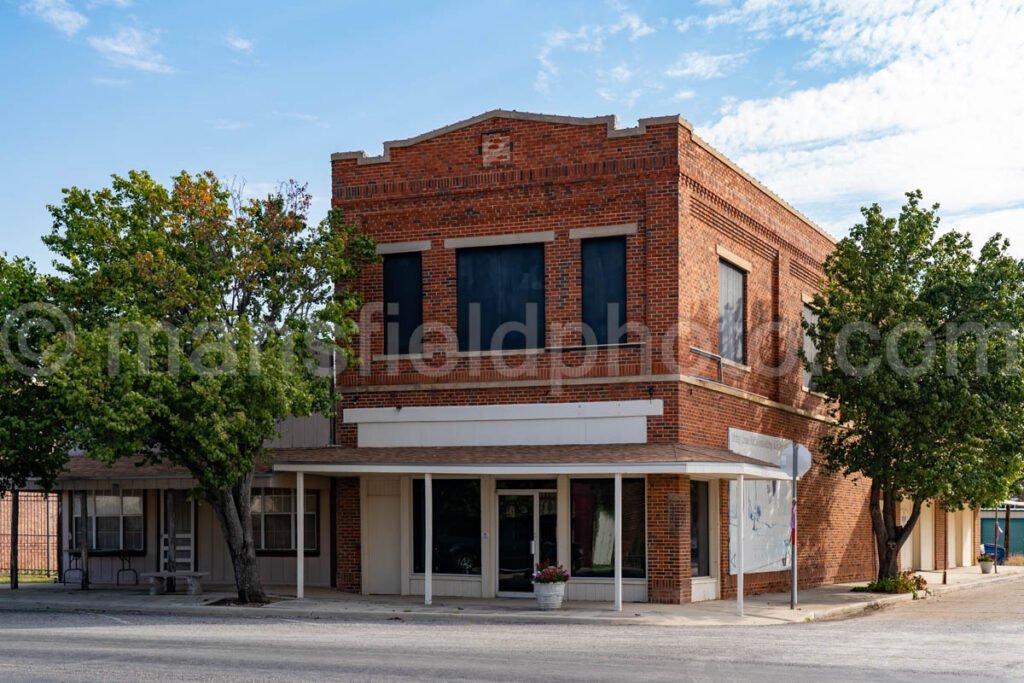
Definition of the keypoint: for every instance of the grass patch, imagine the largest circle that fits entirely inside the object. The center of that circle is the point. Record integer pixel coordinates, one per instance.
(29, 578)
(1014, 561)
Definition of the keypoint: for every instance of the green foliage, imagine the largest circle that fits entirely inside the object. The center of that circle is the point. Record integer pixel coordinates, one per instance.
(32, 423)
(904, 582)
(918, 353)
(202, 319)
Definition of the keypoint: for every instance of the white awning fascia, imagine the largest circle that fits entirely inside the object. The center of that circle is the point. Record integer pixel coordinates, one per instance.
(724, 470)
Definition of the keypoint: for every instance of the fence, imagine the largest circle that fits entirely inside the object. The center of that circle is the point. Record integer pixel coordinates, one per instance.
(37, 533)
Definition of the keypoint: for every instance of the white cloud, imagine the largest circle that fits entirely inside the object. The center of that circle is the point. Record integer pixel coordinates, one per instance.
(683, 95)
(312, 119)
(132, 48)
(57, 13)
(589, 38)
(238, 43)
(121, 4)
(683, 25)
(619, 73)
(703, 66)
(226, 124)
(933, 103)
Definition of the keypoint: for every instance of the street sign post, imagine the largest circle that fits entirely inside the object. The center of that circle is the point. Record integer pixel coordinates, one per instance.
(795, 459)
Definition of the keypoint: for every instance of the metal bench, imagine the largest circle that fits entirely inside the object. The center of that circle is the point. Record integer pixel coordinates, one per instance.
(158, 581)
(127, 568)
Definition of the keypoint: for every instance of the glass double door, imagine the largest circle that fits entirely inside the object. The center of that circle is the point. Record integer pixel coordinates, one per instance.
(527, 528)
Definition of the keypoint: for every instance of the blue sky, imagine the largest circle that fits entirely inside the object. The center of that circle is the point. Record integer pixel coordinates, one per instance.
(832, 103)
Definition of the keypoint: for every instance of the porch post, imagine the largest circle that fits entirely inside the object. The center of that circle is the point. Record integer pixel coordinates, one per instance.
(740, 514)
(300, 535)
(428, 537)
(618, 542)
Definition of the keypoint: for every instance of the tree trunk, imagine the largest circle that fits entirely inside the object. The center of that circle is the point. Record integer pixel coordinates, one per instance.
(234, 512)
(889, 536)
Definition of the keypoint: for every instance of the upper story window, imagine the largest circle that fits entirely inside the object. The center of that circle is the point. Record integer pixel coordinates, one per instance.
(604, 289)
(732, 312)
(403, 302)
(500, 297)
(810, 350)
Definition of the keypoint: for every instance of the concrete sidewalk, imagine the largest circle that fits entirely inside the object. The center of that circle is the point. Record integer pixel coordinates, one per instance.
(830, 602)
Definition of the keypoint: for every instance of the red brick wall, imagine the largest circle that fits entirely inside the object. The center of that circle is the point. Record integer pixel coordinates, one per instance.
(349, 568)
(668, 538)
(686, 202)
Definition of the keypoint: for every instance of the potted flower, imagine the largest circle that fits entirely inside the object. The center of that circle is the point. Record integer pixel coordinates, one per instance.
(987, 562)
(549, 585)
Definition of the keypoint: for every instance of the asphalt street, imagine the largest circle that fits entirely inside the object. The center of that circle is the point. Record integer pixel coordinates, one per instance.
(970, 635)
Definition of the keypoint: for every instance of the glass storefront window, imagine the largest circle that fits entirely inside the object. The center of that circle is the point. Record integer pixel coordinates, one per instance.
(700, 556)
(456, 522)
(593, 528)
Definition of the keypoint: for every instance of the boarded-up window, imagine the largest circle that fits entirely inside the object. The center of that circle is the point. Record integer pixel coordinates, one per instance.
(403, 302)
(732, 312)
(810, 350)
(604, 290)
(500, 297)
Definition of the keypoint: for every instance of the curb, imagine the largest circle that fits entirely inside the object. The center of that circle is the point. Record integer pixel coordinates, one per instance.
(400, 614)
(886, 600)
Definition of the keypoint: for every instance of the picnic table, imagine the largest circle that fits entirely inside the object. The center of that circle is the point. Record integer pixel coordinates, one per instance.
(158, 581)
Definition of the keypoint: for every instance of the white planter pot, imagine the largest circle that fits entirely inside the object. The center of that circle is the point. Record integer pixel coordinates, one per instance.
(986, 567)
(549, 595)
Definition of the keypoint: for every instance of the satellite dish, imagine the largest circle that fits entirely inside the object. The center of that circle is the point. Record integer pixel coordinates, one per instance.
(803, 460)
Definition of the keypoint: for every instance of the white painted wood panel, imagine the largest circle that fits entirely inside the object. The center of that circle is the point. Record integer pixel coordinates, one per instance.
(383, 537)
(448, 586)
(602, 590)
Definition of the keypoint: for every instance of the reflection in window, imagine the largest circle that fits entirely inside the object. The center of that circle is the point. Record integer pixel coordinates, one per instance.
(732, 312)
(456, 522)
(810, 350)
(700, 557)
(273, 519)
(592, 503)
(115, 520)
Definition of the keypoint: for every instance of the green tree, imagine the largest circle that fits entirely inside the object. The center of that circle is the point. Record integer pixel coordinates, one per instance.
(918, 356)
(202, 320)
(32, 427)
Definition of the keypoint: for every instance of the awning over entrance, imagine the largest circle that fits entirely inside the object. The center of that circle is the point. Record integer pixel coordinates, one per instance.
(646, 458)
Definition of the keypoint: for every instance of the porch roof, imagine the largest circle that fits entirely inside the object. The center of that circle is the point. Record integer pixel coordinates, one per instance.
(645, 458)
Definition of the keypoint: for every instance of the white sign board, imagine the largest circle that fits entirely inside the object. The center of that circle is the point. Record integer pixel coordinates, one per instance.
(766, 537)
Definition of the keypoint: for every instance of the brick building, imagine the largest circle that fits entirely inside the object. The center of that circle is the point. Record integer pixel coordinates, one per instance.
(579, 344)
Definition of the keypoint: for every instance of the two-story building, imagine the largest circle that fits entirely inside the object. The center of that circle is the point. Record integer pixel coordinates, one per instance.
(579, 346)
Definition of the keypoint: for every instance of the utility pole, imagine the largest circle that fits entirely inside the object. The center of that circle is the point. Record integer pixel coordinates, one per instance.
(792, 531)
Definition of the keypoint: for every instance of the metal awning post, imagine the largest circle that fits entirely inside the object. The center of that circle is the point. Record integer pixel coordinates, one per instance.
(618, 542)
(300, 535)
(428, 537)
(740, 514)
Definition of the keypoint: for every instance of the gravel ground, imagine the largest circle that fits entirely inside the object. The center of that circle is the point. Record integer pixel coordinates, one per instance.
(970, 635)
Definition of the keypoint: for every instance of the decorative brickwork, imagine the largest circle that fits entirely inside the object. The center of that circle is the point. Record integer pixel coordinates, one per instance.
(349, 569)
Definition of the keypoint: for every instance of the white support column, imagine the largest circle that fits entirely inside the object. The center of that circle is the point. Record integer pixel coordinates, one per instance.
(618, 542)
(740, 514)
(428, 537)
(300, 535)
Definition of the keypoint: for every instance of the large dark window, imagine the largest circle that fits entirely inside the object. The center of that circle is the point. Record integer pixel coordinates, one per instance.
(116, 521)
(456, 526)
(403, 302)
(273, 520)
(593, 527)
(810, 351)
(732, 312)
(501, 297)
(700, 555)
(604, 290)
